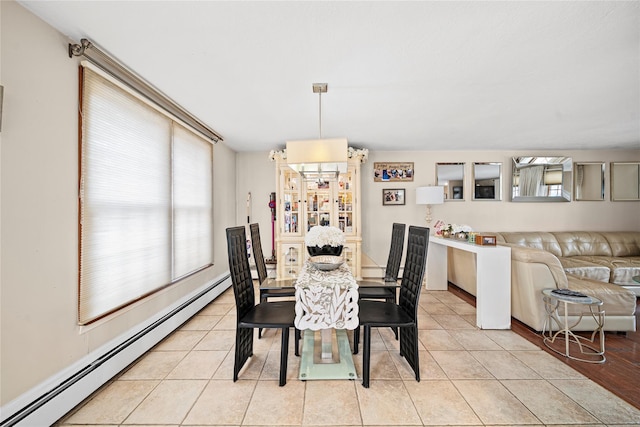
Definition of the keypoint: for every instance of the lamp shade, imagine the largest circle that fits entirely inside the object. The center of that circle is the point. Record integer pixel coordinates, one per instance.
(432, 195)
(317, 156)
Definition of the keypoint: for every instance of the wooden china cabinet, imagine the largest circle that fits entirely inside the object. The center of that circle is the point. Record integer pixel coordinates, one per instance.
(302, 204)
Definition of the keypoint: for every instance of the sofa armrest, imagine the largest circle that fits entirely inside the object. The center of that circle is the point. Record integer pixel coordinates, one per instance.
(532, 255)
(533, 270)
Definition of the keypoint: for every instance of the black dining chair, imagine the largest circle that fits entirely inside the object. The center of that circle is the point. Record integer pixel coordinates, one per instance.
(374, 289)
(261, 267)
(404, 314)
(249, 315)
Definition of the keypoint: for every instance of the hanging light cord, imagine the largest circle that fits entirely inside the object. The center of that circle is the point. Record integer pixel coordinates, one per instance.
(320, 112)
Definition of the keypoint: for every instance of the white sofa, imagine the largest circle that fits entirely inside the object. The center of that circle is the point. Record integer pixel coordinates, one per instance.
(597, 264)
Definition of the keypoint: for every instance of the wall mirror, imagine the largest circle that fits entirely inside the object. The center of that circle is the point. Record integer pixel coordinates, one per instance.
(625, 181)
(588, 181)
(451, 177)
(487, 181)
(541, 179)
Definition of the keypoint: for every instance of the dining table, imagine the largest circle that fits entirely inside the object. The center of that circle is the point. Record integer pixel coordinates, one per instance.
(326, 307)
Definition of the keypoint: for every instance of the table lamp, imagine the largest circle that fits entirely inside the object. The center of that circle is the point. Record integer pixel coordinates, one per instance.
(431, 195)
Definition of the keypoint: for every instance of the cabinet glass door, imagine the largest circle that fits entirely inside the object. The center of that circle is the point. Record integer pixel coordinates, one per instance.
(291, 203)
(293, 257)
(318, 203)
(346, 202)
(348, 256)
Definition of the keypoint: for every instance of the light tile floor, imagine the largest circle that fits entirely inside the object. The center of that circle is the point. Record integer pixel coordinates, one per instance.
(469, 377)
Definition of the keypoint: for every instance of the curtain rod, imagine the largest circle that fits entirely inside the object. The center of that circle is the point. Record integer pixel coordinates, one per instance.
(119, 71)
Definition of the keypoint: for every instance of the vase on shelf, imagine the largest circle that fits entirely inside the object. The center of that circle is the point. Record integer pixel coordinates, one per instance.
(446, 234)
(324, 250)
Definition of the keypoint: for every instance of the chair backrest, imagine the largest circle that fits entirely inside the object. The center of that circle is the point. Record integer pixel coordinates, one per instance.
(414, 267)
(257, 252)
(240, 270)
(395, 252)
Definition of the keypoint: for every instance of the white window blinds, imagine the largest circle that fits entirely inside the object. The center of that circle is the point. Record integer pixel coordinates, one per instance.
(192, 213)
(146, 199)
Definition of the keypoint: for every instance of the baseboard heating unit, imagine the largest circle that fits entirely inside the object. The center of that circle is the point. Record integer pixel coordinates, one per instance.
(52, 401)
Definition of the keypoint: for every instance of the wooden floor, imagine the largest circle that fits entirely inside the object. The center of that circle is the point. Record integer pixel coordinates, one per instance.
(620, 373)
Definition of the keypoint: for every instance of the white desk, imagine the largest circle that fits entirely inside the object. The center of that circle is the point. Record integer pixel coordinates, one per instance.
(493, 278)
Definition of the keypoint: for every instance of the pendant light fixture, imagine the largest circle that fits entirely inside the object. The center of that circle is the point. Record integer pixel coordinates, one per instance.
(318, 159)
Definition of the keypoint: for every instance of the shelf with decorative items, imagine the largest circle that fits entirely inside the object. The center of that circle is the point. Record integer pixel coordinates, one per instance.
(325, 201)
(346, 203)
(289, 208)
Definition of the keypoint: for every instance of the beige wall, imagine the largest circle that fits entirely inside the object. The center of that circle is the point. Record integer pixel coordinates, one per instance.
(481, 215)
(485, 215)
(39, 212)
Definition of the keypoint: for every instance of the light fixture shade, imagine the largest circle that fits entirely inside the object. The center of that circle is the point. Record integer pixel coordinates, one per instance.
(318, 156)
(432, 195)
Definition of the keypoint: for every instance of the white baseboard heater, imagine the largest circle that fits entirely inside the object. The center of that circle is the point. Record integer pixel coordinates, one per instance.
(48, 406)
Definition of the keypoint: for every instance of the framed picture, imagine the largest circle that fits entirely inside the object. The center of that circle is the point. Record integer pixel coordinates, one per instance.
(485, 240)
(390, 172)
(393, 196)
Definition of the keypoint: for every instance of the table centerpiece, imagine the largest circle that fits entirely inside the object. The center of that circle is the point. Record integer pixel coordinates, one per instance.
(324, 240)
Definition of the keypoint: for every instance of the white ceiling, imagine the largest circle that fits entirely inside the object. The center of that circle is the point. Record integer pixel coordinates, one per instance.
(430, 75)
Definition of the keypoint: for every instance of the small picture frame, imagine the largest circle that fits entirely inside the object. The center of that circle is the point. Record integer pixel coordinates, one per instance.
(486, 240)
(393, 196)
(393, 172)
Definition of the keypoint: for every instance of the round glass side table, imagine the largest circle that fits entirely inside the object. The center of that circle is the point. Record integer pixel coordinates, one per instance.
(558, 329)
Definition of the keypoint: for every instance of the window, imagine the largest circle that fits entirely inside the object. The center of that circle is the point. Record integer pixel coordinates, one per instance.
(146, 198)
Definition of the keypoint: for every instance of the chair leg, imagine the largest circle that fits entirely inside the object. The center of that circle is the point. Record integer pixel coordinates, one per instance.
(284, 353)
(393, 300)
(366, 356)
(356, 339)
(263, 299)
(297, 341)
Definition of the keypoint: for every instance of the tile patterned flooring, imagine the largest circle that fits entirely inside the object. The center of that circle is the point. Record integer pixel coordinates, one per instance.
(469, 377)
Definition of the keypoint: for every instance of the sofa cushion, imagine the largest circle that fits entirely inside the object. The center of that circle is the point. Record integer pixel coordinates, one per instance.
(533, 239)
(586, 269)
(622, 269)
(623, 243)
(626, 268)
(618, 301)
(578, 243)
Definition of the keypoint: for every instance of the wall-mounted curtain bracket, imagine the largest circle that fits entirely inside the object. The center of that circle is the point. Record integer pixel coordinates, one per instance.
(78, 49)
(119, 71)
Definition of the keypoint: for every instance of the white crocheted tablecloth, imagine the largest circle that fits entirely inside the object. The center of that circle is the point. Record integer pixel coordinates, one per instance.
(326, 299)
